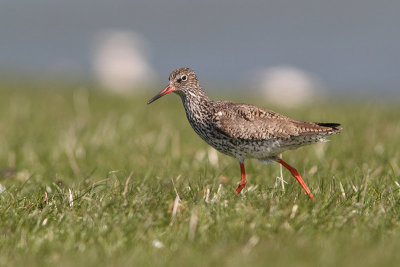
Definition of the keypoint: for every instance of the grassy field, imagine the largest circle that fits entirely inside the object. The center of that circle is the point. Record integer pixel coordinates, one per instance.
(89, 179)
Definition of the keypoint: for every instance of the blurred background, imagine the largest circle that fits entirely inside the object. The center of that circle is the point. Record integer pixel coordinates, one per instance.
(90, 174)
(294, 47)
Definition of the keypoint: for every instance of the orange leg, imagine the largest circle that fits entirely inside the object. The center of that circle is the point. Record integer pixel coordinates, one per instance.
(243, 180)
(298, 178)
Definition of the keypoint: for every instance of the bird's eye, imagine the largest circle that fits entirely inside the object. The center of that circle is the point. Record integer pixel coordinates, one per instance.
(184, 78)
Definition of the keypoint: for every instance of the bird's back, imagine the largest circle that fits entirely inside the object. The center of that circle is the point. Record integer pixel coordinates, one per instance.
(253, 123)
(260, 133)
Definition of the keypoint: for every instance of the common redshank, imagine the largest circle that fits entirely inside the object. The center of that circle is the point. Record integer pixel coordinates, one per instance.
(244, 131)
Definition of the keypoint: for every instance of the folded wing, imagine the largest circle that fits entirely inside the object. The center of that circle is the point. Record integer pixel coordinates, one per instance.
(253, 123)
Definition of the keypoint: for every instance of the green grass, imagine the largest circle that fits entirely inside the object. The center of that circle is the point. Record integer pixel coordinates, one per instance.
(90, 180)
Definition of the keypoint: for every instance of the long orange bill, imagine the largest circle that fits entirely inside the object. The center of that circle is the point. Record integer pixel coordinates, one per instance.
(166, 90)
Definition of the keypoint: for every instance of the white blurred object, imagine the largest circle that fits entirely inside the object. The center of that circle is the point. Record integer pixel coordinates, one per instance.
(289, 86)
(157, 243)
(2, 189)
(121, 61)
(213, 156)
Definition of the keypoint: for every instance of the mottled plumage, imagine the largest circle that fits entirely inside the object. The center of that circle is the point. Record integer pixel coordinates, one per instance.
(240, 130)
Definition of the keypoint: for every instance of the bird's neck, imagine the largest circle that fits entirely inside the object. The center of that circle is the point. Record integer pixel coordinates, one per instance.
(196, 104)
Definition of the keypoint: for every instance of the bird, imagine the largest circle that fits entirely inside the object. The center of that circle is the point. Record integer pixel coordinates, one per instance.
(244, 131)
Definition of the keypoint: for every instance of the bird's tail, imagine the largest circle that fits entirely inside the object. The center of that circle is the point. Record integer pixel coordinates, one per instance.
(334, 126)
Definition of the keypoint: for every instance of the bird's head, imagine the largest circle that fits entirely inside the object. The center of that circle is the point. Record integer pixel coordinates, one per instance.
(181, 82)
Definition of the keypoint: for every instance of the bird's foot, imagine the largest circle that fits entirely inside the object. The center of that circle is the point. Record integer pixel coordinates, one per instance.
(296, 175)
(240, 187)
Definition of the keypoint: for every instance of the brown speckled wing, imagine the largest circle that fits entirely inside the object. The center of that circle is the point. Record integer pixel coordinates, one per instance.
(253, 123)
